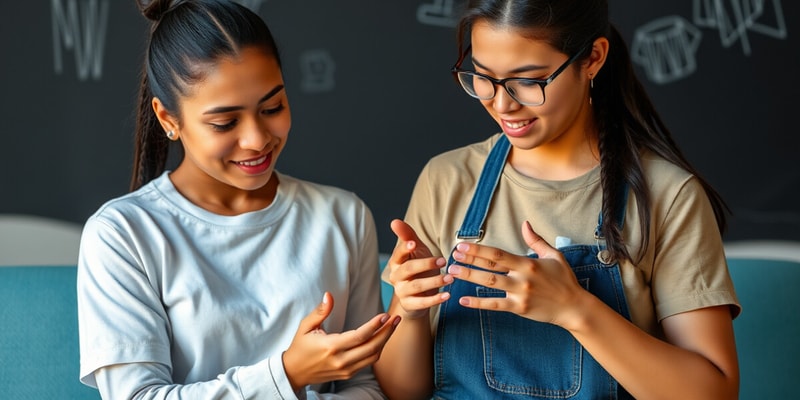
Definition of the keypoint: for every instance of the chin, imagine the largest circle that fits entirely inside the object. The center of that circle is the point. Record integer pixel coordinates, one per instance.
(524, 142)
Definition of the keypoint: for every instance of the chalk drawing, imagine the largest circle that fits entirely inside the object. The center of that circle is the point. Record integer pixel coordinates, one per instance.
(438, 13)
(317, 71)
(735, 18)
(80, 26)
(666, 48)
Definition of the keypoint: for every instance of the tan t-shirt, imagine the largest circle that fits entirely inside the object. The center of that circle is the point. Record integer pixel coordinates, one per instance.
(682, 269)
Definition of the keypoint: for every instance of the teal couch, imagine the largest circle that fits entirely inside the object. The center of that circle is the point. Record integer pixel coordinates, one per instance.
(768, 330)
(39, 335)
(39, 330)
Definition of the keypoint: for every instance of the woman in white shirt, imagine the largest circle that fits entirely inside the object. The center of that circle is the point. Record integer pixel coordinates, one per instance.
(217, 279)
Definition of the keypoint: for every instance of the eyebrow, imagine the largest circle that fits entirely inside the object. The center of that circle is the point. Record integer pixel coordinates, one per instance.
(524, 68)
(225, 109)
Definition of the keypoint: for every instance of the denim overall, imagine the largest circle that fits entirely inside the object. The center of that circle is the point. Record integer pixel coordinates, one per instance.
(481, 354)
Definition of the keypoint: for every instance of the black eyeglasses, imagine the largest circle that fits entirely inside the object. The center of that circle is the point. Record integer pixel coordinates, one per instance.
(525, 91)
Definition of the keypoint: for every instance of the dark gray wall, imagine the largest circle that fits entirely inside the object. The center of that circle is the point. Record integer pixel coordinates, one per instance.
(372, 98)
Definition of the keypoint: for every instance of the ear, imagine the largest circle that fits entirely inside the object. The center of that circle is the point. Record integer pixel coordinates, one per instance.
(168, 122)
(598, 56)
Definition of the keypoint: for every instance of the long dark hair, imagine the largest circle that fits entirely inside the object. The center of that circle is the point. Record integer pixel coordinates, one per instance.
(186, 37)
(626, 118)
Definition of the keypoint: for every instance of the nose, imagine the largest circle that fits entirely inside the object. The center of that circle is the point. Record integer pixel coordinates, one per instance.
(502, 101)
(255, 136)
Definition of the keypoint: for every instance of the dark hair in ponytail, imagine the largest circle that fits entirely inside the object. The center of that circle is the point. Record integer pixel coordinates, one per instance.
(626, 118)
(186, 37)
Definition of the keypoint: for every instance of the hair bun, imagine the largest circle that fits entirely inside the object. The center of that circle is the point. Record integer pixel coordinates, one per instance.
(155, 9)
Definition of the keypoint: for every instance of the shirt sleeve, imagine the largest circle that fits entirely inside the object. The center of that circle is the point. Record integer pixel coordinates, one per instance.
(120, 315)
(150, 381)
(265, 380)
(690, 271)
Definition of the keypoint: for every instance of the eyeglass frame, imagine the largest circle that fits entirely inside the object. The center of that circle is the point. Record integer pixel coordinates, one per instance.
(456, 69)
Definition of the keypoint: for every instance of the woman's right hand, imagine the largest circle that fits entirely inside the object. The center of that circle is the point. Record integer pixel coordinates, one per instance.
(415, 274)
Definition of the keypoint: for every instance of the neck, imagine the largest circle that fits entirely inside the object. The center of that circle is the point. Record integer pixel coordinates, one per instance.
(567, 157)
(221, 198)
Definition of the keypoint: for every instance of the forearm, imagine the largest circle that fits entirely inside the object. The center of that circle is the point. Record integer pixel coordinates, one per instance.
(146, 381)
(650, 368)
(405, 369)
(361, 387)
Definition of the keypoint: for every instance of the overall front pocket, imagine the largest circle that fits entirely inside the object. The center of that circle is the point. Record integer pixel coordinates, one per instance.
(525, 357)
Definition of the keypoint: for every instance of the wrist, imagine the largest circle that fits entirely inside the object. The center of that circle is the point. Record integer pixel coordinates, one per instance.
(417, 317)
(579, 316)
(291, 377)
(413, 315)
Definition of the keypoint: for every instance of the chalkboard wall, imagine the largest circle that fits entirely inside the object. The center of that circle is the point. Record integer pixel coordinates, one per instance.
(372, 98)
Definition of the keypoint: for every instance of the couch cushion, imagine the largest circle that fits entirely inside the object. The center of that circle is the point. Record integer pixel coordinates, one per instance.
(768, 329)
(39, 334)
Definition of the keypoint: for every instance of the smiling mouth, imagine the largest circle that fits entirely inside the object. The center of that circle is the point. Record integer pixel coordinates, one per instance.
(253, 163)
(516, 125)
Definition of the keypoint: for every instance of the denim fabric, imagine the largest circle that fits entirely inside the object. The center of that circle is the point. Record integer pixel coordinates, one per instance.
(482, 198)
(481, 354)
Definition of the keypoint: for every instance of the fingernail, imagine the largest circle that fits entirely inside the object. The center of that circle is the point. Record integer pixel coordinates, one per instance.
(448, 279)
(441, 262)
(396, 321)
(463, 301)
(462, 247)
(325, 298)
(409, 245)
(458, 255)
(384, 318)
(454, 269)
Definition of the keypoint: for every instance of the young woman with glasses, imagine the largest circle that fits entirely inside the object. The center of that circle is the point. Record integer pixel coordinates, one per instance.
(217, 280)
(617, 285)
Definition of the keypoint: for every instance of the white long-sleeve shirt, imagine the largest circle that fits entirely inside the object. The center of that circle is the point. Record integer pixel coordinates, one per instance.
(195, 305)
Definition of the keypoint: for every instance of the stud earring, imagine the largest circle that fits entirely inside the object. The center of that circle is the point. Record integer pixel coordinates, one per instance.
(171, 135)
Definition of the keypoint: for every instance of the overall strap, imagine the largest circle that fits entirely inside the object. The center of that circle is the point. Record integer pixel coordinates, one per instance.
(472, 226)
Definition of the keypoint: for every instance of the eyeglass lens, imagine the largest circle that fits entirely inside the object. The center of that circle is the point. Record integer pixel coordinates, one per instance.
(523, 91)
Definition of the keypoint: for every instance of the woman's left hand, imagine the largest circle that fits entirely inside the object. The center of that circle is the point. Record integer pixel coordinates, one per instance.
(543, 289)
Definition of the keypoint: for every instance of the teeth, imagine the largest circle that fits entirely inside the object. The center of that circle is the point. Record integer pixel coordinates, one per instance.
(253, 163)
(516, 125)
